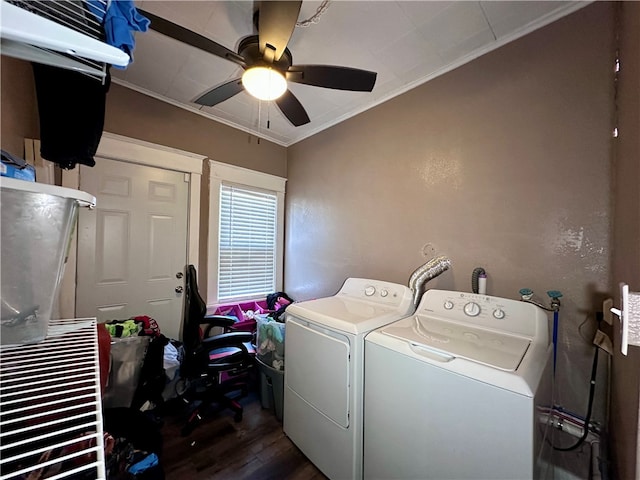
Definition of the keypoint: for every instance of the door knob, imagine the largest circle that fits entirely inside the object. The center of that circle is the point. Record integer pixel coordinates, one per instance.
(179, 289)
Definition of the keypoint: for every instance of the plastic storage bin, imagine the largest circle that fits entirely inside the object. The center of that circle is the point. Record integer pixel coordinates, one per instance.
(271, 388)
(37, 222)
(245, 313)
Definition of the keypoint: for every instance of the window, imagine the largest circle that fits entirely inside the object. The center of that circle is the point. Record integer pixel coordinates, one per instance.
(245, 234)
(247, 242)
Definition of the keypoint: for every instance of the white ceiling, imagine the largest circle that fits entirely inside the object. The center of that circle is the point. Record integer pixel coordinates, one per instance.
(407, 43)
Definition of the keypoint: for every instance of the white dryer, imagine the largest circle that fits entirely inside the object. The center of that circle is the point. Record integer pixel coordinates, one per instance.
(324, 347)
(451, 392)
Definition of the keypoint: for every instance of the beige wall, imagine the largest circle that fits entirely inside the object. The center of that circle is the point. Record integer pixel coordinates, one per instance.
(139, 116)
(625, 384)
(503, 163)
(18, 108)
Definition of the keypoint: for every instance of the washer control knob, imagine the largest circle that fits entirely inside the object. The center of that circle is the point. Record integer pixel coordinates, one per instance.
(448, 305)
(383, 293)
(498, 313)
(370, 290)
(472, 309)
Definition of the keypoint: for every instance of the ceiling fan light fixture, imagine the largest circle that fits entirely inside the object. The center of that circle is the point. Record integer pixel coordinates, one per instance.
(264, 83)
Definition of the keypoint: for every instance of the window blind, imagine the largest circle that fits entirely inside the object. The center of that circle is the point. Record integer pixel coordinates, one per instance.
(247, 244)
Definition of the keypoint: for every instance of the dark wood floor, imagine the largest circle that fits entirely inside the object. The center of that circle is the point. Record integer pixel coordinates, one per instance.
(255, 448)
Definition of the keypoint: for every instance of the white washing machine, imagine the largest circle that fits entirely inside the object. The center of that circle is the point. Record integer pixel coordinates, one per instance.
(451, 392)
(324, 347)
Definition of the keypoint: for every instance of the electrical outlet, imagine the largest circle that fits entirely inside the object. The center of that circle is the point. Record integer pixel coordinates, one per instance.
(428, 250)
(606, 310)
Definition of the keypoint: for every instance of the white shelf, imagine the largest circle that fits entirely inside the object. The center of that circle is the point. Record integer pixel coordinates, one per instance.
(22, 26)
(50, 404)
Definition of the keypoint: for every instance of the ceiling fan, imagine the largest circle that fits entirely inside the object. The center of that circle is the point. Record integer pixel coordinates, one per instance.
(268, 62)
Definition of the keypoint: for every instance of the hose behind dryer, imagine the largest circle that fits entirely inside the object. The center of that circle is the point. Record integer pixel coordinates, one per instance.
(475, 275)
(426, 272)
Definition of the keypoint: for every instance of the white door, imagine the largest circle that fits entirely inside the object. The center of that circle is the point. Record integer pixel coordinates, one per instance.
(132, 248)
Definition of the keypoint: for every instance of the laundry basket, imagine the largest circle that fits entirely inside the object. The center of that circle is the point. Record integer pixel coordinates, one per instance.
(270, 341)
(270, 360)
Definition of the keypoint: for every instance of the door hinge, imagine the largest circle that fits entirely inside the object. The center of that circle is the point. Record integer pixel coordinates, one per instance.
(187, 177)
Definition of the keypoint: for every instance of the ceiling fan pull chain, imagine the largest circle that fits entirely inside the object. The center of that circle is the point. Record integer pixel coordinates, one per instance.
(259, 117)
(269, 116)
(316, 16)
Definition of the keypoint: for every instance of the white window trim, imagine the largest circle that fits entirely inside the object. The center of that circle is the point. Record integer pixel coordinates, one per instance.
(222, 172)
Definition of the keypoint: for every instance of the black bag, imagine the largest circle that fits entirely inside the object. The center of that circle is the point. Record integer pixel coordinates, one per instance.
(152, 375)
(273, 302)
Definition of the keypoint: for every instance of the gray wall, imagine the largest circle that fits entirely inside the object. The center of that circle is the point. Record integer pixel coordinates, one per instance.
(503, 163)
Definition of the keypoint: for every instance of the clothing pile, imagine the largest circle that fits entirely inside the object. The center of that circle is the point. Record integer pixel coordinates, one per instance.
(131, 327)
(271, 330)
(133, 445)
(277, 303)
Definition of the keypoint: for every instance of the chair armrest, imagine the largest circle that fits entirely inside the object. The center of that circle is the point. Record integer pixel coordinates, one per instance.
(233, 339)
(222, 321)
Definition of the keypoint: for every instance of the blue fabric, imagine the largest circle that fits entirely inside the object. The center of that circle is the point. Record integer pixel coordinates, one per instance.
(121, 20)
(146, 463)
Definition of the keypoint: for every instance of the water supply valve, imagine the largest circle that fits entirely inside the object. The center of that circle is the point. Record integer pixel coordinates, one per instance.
(555, 296)
(526, 294)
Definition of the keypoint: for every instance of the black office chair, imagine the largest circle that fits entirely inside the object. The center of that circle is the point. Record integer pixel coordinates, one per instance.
(214, 366)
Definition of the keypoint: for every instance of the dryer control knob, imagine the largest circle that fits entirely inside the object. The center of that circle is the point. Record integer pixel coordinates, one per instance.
(370, 290)
(472, 309)
(383, 293)
(498, 313)
(448, 305)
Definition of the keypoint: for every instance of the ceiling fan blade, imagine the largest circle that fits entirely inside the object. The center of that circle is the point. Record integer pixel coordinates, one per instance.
(184, 35)
(277, 20)
(330, 76)
(291, 107)
(220, 93)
